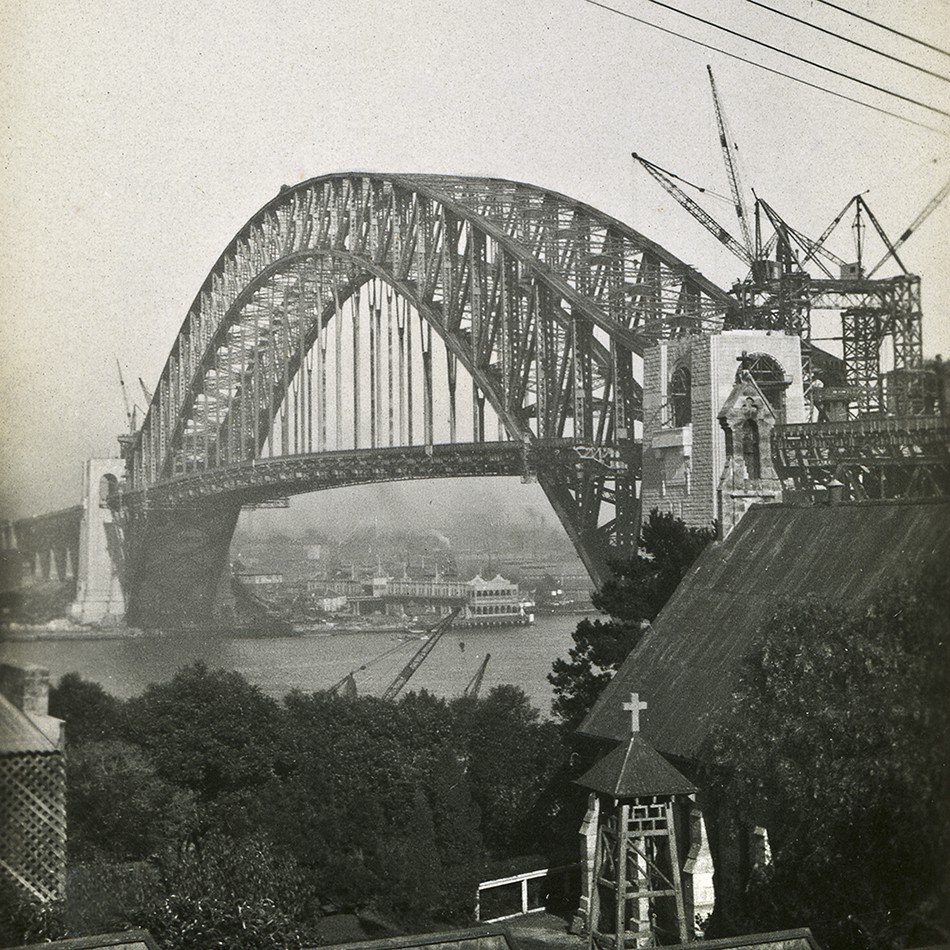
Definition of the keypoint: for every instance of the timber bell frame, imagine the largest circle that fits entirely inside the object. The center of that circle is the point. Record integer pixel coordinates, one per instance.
(637, 871)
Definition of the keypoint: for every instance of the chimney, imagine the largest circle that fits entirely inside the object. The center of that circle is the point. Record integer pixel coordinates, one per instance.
(27, 687)
(835, 492)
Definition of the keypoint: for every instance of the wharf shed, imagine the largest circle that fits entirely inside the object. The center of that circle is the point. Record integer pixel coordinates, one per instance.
(688, 664)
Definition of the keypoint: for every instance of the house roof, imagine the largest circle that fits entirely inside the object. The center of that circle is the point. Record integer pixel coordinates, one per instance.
(688, 663)
(633, 771)
(472, 938)
(128, 940)
(18, 733)
(798, 939)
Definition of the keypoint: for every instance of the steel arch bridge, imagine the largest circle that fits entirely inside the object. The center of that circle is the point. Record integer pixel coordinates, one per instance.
(325, 345)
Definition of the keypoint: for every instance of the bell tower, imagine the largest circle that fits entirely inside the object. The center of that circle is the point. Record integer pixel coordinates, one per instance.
(637, 896)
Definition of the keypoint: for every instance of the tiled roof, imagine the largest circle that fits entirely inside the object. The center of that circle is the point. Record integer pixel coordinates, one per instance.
(635, 770)
(18, 734)
(687, 665)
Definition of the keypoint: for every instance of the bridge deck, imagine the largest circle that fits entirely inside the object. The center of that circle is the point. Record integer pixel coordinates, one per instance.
(263, 479)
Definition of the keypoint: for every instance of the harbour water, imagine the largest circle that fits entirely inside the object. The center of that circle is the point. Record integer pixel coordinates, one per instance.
(126, 665)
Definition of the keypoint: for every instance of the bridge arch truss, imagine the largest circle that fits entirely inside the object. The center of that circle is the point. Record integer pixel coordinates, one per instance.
(544, 303)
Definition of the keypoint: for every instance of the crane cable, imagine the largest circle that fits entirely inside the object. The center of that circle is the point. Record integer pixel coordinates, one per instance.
(768, 69)
(368, 664)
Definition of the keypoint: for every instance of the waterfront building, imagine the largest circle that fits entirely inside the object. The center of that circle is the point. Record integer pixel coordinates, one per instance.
(494, 602)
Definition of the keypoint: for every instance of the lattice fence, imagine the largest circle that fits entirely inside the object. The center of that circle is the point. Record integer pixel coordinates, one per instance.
(33, 825)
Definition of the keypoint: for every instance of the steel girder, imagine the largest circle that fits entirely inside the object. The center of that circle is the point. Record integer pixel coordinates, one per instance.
(875, 316)
(892, 457)
(283, 476)
(543, 301)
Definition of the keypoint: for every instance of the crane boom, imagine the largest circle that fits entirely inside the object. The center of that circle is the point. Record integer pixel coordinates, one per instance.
(475, 683)
(396, 686)
(919, 220)
(702, 216)
(731, 171)
(125, 397)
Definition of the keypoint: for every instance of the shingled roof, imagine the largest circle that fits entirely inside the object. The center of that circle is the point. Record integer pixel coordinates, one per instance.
(634, 771)
(688, 663)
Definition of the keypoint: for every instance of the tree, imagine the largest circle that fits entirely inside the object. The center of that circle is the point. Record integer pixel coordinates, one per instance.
(211, 732)
(241, 894)
(836, 741)
(632, 598)
(117, 806)
(424, 881)
(510, 756)
(90, 713)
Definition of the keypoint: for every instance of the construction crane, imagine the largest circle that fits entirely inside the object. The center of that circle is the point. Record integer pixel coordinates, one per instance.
(699, 213)
(347, 685)
(125, 398)
(787, 236)
(435, 634)
(475, 683)
(919, 220)
(731, 171)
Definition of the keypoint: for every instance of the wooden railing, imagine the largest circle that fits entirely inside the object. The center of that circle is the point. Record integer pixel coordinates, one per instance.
(534, 899)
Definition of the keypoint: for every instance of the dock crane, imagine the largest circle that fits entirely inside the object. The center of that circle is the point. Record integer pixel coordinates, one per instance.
(475, 683)
(435, 634)
(347, 685)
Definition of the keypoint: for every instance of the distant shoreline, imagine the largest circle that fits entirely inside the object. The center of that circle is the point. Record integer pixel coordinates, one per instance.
(26, 632)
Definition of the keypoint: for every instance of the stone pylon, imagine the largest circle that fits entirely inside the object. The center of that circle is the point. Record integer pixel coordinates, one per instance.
(99, 593)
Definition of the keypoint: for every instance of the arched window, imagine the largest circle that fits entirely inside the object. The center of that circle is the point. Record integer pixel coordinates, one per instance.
(681, 396)
(108, 490)
(770, 377)
(750, 449)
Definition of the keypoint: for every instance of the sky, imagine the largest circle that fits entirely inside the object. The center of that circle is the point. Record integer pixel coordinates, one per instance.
(138, 138)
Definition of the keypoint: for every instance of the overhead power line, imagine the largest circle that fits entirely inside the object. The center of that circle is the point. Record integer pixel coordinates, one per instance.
(768, 69)
(847, 39)
(795, 56)
(884, 26)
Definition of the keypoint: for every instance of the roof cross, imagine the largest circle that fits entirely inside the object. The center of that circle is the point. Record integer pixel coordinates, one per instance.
(634, 707)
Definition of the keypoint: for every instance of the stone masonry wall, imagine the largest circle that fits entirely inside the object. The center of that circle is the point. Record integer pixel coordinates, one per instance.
(682, 467)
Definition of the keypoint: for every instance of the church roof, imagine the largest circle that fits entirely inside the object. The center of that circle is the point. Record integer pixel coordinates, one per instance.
(634, 770)
(688, 663)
